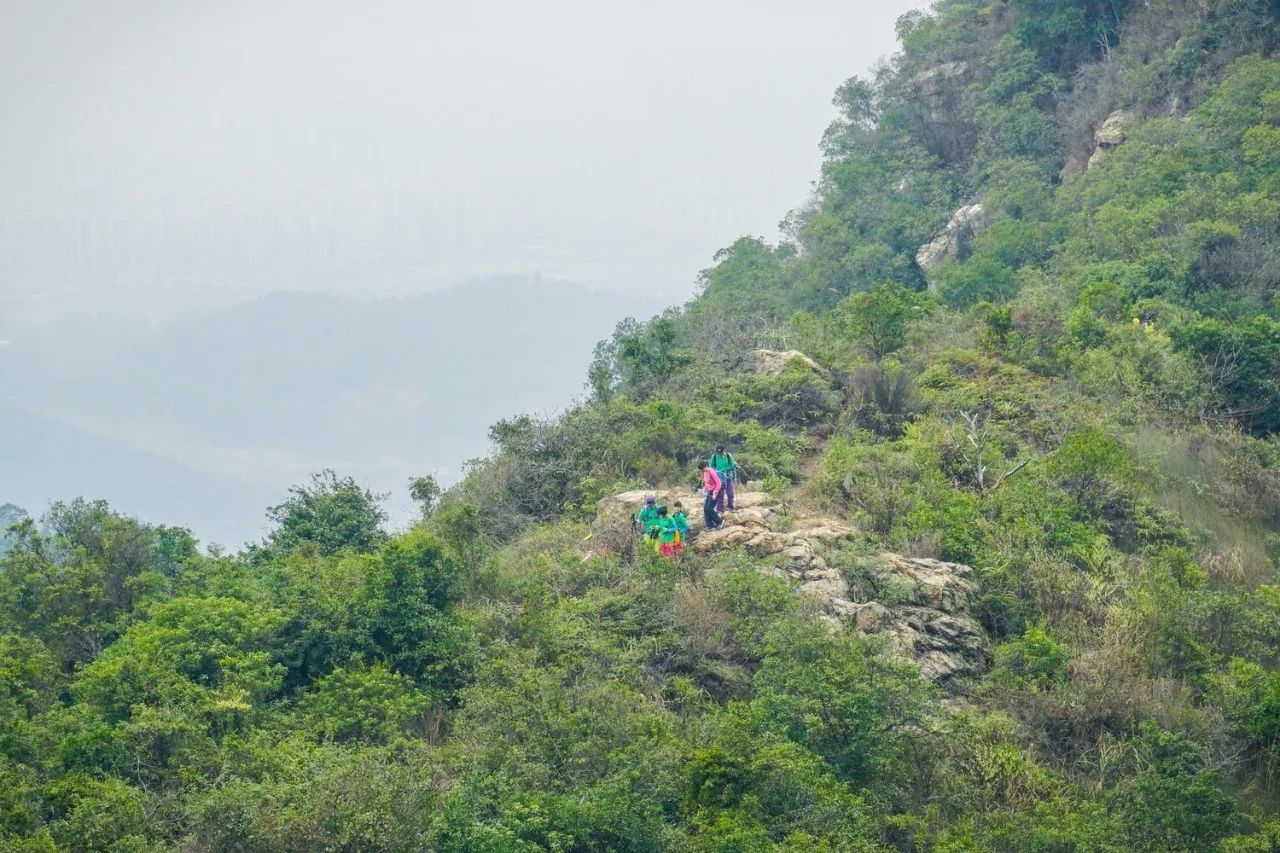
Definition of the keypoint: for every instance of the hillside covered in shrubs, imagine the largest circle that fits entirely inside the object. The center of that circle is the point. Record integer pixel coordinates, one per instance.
(1039, 278)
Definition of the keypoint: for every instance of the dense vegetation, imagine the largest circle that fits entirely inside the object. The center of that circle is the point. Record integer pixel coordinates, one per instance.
(1082, 402)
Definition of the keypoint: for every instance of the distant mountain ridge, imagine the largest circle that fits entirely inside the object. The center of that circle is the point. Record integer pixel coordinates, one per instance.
(259, 393)
(45, 460)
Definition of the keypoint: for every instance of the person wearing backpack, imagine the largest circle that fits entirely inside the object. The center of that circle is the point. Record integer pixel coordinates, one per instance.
(727, 468)
(711, 486)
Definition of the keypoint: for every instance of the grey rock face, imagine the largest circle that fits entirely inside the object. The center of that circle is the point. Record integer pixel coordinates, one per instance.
(929, 618)
(940, 90)
(965, 224)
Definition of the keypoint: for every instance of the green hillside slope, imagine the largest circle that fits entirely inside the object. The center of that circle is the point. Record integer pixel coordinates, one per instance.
(1006, 578)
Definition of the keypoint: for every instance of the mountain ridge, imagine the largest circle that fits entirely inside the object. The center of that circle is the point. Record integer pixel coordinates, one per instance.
(1009, 580)
(389, 386)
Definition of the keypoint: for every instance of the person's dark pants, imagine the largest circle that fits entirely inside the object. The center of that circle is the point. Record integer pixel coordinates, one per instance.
(726, 491)
(709, 514)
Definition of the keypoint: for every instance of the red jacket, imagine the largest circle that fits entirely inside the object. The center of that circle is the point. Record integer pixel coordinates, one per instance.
(711, 480)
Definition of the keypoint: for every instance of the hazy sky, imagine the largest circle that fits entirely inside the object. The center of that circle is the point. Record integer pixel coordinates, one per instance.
(154, 152)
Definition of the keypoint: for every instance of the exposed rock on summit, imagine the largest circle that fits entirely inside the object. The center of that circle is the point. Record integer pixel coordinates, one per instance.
(613, 514)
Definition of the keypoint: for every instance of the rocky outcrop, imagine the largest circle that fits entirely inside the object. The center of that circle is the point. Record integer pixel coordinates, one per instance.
(614, 513)
(770, 362)
(752, 517)
(925, 608)
(956, 239)
(938, 110)
(1111, 135)
(923, 605)
(800, 552)
(940, 91)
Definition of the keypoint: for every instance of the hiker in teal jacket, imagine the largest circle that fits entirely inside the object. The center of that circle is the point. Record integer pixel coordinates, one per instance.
(647, 518)
(727, 468)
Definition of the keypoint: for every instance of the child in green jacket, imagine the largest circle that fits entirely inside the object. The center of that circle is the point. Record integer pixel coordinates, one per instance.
(681, 523)
(668, 534)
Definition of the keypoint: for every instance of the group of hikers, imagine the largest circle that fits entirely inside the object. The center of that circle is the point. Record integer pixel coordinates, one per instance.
(668, 530)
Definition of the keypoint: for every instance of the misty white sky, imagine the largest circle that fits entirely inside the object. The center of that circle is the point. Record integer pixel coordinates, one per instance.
(157, 153)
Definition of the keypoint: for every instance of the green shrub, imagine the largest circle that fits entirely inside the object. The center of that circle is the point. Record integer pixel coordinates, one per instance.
(1035, 660)
(980, 279)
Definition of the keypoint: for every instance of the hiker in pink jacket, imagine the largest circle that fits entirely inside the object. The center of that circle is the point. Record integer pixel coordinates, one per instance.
(711, 486)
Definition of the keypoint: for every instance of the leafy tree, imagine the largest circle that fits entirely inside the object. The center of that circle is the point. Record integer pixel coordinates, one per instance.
(748, 277)
(1241, 362)
(77, 586)
(327, 515)
(307, 796)
(372, 706)
(189, 651)
(426, 492)
(1175, 802)
(10, 515)
(1252, 704)
(748, 789)
(840, 697)
(1034, 660)
(979, 279)
(878, 320)
(406, 614)
(647, 356)
(1064, 34)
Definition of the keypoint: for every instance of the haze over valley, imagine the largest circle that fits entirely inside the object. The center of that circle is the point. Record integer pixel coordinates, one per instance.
(239, 244)
(208, 415)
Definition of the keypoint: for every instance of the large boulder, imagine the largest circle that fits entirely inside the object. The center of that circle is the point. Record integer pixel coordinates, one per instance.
(1110, 135)
(614, 513)
(799, 546)
(925, 610)
(932, 583)
(956, 239)
(946, 647)
(828, 586)
(775, 362)
(872, 617)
